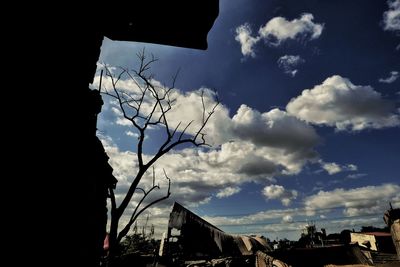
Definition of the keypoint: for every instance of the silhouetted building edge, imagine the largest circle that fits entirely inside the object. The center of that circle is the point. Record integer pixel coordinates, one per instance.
(69, 40)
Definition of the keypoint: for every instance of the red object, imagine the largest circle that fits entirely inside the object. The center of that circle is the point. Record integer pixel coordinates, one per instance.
(377, 233)
(106, 243)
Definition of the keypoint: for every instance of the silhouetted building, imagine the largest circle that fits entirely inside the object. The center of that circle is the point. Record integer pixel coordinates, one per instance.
(321, 256)
(392, 220)
(70, 39)
(310, 237)
(376, 241)
(190, 237)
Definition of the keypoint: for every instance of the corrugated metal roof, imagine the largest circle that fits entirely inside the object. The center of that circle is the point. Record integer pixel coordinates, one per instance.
(203, 232)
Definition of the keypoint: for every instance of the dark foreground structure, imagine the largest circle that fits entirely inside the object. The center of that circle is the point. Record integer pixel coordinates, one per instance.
(192, 241)
(71, 169)
(392, 220)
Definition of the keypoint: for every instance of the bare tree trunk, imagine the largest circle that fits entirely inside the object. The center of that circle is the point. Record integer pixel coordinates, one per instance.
(113, 247)
(131, 105)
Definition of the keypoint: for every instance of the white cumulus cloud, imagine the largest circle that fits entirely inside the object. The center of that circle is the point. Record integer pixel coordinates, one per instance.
(391, 17)
(333, 168)
(132, 134)
(279, 192)
(227, 192)
(394, 75)
(254, 217)
(287, 219)
(278, 30)
(246, 40)
(288, 64)
(358, 201)
(339, 103)
(248, 146)
(275, 128)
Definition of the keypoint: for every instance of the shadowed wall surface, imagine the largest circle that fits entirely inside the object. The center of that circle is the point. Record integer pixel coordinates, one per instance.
(72, 46)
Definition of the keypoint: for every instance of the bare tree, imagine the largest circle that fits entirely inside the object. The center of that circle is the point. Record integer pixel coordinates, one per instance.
(145, 106)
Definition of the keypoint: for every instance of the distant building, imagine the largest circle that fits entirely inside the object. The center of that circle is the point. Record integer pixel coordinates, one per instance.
(190, 237)
(321, 256)
(310, 237)
(376, 241)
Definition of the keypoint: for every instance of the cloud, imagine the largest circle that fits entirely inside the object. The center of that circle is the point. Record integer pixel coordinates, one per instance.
(253, 146)
(272, 142)
(280, 29)
(256, 165)
(248, 146)
(247, 42)
(289, 63)
(338, 225)
(358, 201)
(227, 192)
(287, 219)
(391, 18)
(254, 218)
(292, 220)
(184, 187)
(187, 108)
(333, 168)
(356, 175)
(278, 143)
(120, 120)
(124, 84)
(339, 103)
(279, 192)
(287, 222)
(277, 137)
(275, 128)
(394, 75)
(130, 133)
(196, 174)
(351, 167)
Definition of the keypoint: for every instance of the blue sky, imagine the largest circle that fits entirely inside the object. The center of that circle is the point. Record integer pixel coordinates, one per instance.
(308, 125)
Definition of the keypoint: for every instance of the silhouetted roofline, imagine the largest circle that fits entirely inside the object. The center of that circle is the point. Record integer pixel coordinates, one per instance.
(135, 21)
(179, 208)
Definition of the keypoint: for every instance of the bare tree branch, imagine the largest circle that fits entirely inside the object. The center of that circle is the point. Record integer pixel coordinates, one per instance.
(184, 130)
(112, 197)
(136, 214)
(101, 78)
(149, 105)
